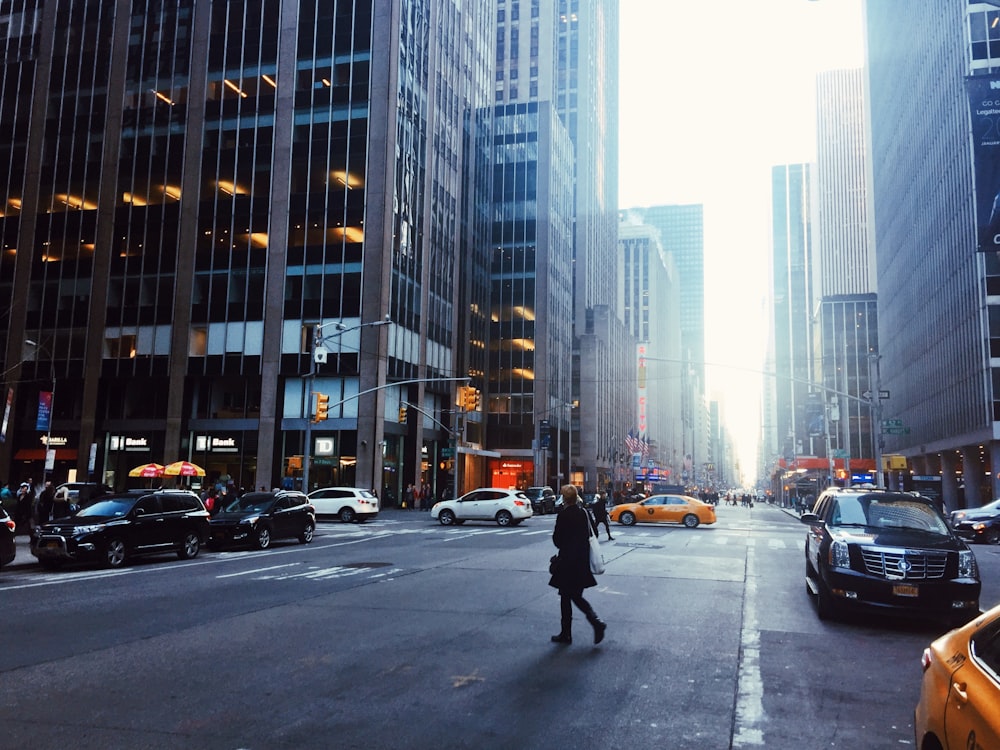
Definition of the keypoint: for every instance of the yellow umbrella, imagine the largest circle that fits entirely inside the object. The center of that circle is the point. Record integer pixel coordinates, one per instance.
(183, 469)
(147, 471)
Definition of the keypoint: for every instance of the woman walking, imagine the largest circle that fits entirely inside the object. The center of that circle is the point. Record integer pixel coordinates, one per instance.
(571, 573)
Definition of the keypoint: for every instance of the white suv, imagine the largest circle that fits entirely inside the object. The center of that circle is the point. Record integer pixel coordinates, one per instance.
(346, 503)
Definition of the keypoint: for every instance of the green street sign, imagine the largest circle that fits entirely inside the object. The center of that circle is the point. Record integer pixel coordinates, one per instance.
(887, 423)
(897, 431)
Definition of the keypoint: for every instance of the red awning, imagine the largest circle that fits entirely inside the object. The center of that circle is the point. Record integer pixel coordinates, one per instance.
(38, 454)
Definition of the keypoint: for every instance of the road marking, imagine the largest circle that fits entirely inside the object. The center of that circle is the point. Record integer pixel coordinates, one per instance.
(748, 731)
(257, 570)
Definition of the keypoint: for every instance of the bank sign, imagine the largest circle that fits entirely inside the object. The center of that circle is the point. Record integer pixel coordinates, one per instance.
(212, 444)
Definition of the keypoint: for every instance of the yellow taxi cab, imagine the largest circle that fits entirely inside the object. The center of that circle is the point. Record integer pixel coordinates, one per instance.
(960, 692)
(664, 509)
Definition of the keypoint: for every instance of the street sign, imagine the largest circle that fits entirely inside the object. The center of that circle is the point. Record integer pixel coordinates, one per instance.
(447, 453)
(892, 423)
(883, 394)
(896, 430)
(840, 453)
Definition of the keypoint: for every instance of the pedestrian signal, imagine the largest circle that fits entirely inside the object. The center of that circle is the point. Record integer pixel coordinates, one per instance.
(322, 407)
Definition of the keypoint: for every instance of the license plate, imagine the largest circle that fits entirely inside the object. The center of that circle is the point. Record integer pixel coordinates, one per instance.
(51, 545)
(903, 589)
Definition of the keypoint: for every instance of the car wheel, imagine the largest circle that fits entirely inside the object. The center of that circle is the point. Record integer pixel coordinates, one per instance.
(824, 601)
(992, 536)
(190, 546)
(347, 515)
(307, 533)
(446, 517)
(263, 539)
(114, 553)
(627, 518)
(504, 518)
(691, 520)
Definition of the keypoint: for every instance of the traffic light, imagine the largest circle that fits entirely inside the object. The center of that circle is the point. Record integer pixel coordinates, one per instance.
(322, 407)
(471, 399)
(402, 415)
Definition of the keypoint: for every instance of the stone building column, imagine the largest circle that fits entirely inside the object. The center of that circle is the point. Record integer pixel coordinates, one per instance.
(949, 481)
(972, 472)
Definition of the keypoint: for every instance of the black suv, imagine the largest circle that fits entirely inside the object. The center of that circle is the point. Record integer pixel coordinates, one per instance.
(888, 551)
(118, 527)
(259, 517)
(543, 500)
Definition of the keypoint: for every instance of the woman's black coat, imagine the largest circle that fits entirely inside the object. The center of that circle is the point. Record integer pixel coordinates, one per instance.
(572, 537)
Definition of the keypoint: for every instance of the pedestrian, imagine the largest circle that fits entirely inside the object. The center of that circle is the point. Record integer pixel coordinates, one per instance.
(8, 500)
(60, 504)
(43, 507)
(601, 515)
(25, 502)
(571, 567)
(408, 496)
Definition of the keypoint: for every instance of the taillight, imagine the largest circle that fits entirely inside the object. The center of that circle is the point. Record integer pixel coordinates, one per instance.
(11, 525)
(519, 502)
(925, 660)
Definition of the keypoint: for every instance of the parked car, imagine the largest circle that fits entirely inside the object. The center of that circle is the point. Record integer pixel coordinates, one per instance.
(346, 503)
(888, 551)
(258, 518)
(959, 705)
(543, 499)
(8, 549)
(506, 507)
(683, 509)
(118, 527)
(978, 524)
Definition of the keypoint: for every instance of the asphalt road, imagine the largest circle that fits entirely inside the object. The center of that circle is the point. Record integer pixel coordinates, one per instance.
(400, 633)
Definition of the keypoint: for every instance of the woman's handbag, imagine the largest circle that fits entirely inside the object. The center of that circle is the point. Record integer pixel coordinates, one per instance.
(553, 564)
(596, 556)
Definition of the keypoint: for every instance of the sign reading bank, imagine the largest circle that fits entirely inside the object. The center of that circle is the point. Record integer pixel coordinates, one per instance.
(213, 444)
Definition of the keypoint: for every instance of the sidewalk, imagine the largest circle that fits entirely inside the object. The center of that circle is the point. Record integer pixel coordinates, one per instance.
(23, 557)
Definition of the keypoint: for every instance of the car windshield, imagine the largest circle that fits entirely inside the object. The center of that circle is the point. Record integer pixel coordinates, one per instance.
(253, 503)
(109, 508)
(880, 512)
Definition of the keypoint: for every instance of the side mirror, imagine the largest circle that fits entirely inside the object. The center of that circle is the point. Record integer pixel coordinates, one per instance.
(810, 519)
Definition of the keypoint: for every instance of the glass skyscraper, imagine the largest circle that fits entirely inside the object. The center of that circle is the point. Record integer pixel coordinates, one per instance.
(193, 188)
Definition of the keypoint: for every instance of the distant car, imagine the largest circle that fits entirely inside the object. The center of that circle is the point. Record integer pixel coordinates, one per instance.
(506, 507)
(118, 527)
(258, 518)
(8, 549)
(978, 524)
(682, 509)
(959, 705)
(888, 551)
(346, 503)
(543, 499)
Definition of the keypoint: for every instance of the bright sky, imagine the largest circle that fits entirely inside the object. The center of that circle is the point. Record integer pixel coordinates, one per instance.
(714, 93)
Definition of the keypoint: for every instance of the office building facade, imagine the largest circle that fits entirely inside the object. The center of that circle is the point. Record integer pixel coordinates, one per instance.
(202, 194)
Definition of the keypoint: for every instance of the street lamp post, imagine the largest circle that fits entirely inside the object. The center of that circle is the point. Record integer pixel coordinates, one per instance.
(317, 355)
(50, 454)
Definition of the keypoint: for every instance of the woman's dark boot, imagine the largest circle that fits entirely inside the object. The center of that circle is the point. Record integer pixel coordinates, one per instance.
(565, 633)
(599, 628)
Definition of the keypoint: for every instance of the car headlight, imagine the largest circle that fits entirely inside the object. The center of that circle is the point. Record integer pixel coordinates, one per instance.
(88, 529)
(250, 521)
(967, 566)
(840, 556)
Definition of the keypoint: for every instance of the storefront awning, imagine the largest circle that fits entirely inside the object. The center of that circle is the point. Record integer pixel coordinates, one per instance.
(811, 462)
(38, 454)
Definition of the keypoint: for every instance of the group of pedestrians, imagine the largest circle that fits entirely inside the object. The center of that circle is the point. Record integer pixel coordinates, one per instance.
(418, 497)
(34, 505)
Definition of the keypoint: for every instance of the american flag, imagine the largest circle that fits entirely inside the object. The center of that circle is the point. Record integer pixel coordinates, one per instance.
(632, 442)
(644, 448)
